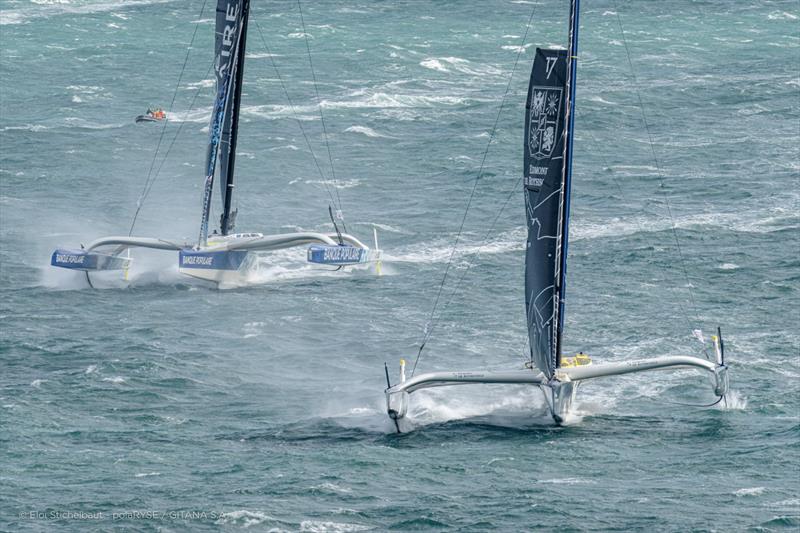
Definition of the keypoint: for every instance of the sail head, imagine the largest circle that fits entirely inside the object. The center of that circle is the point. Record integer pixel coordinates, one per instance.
(543, 179)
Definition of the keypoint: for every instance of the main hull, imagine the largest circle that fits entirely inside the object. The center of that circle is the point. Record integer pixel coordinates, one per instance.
(226, 267)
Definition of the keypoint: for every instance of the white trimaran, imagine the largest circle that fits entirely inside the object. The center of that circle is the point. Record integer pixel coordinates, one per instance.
(224, 256)
(550, 112)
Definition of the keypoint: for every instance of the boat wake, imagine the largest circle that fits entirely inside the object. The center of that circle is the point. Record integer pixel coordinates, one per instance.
(439, 250)
(272, 268)
(733, 401)
(150, 268)
(501, 406)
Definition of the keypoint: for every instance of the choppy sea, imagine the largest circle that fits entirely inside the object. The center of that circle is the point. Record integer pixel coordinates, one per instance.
(165, 404)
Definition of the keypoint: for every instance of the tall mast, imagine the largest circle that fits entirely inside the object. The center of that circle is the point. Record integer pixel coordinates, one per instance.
(561, 279)
(226, 220)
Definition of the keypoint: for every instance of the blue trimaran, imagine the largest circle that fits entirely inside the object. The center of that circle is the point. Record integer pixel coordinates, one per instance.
(550, 112)
(224, 256)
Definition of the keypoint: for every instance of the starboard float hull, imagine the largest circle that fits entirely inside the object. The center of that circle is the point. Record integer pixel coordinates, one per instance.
(340, 255)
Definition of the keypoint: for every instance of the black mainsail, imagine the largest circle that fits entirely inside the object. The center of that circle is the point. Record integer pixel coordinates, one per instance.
(543, 183)
(230, 127)
(548, 168)
(231, 32)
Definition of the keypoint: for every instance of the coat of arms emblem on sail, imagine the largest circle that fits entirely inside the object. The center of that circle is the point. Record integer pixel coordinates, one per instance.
(545, 108)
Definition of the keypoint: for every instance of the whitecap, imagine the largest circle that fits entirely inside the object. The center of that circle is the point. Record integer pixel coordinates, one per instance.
(338, 184)
(317, 526)
(244, 518)
(793, 502)
(260, 55)
(7, 17)
(51, 8)
(26, 127)
(433, 64)
(515, 47)
(464, 66)
(201, 84)
(369, 132)
(781, 15)
(440, 250)
(752, 491)
(332, 487)
(567, 481)
(78, 122)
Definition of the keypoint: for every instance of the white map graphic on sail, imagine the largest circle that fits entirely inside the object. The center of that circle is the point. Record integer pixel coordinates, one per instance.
(545, 109)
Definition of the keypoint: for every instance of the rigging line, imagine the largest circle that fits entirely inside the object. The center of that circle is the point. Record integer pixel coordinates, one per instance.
(477, 254)
(622, 195)
(145, 189)
(321, 116)
(430, 323)
(178, 132)
(662, 188)
(294, 113)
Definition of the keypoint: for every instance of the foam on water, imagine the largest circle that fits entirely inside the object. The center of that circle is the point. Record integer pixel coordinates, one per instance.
(514, 407)
(733, 401)
(441, 250)
(265, 403)
(55, 8)
(751, 491)
(364, 130)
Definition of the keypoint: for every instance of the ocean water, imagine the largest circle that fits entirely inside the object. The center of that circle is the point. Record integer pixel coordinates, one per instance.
(164, 404)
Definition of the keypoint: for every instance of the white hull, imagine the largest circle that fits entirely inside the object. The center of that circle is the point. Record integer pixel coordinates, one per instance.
(559, 392)
(230, 259)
